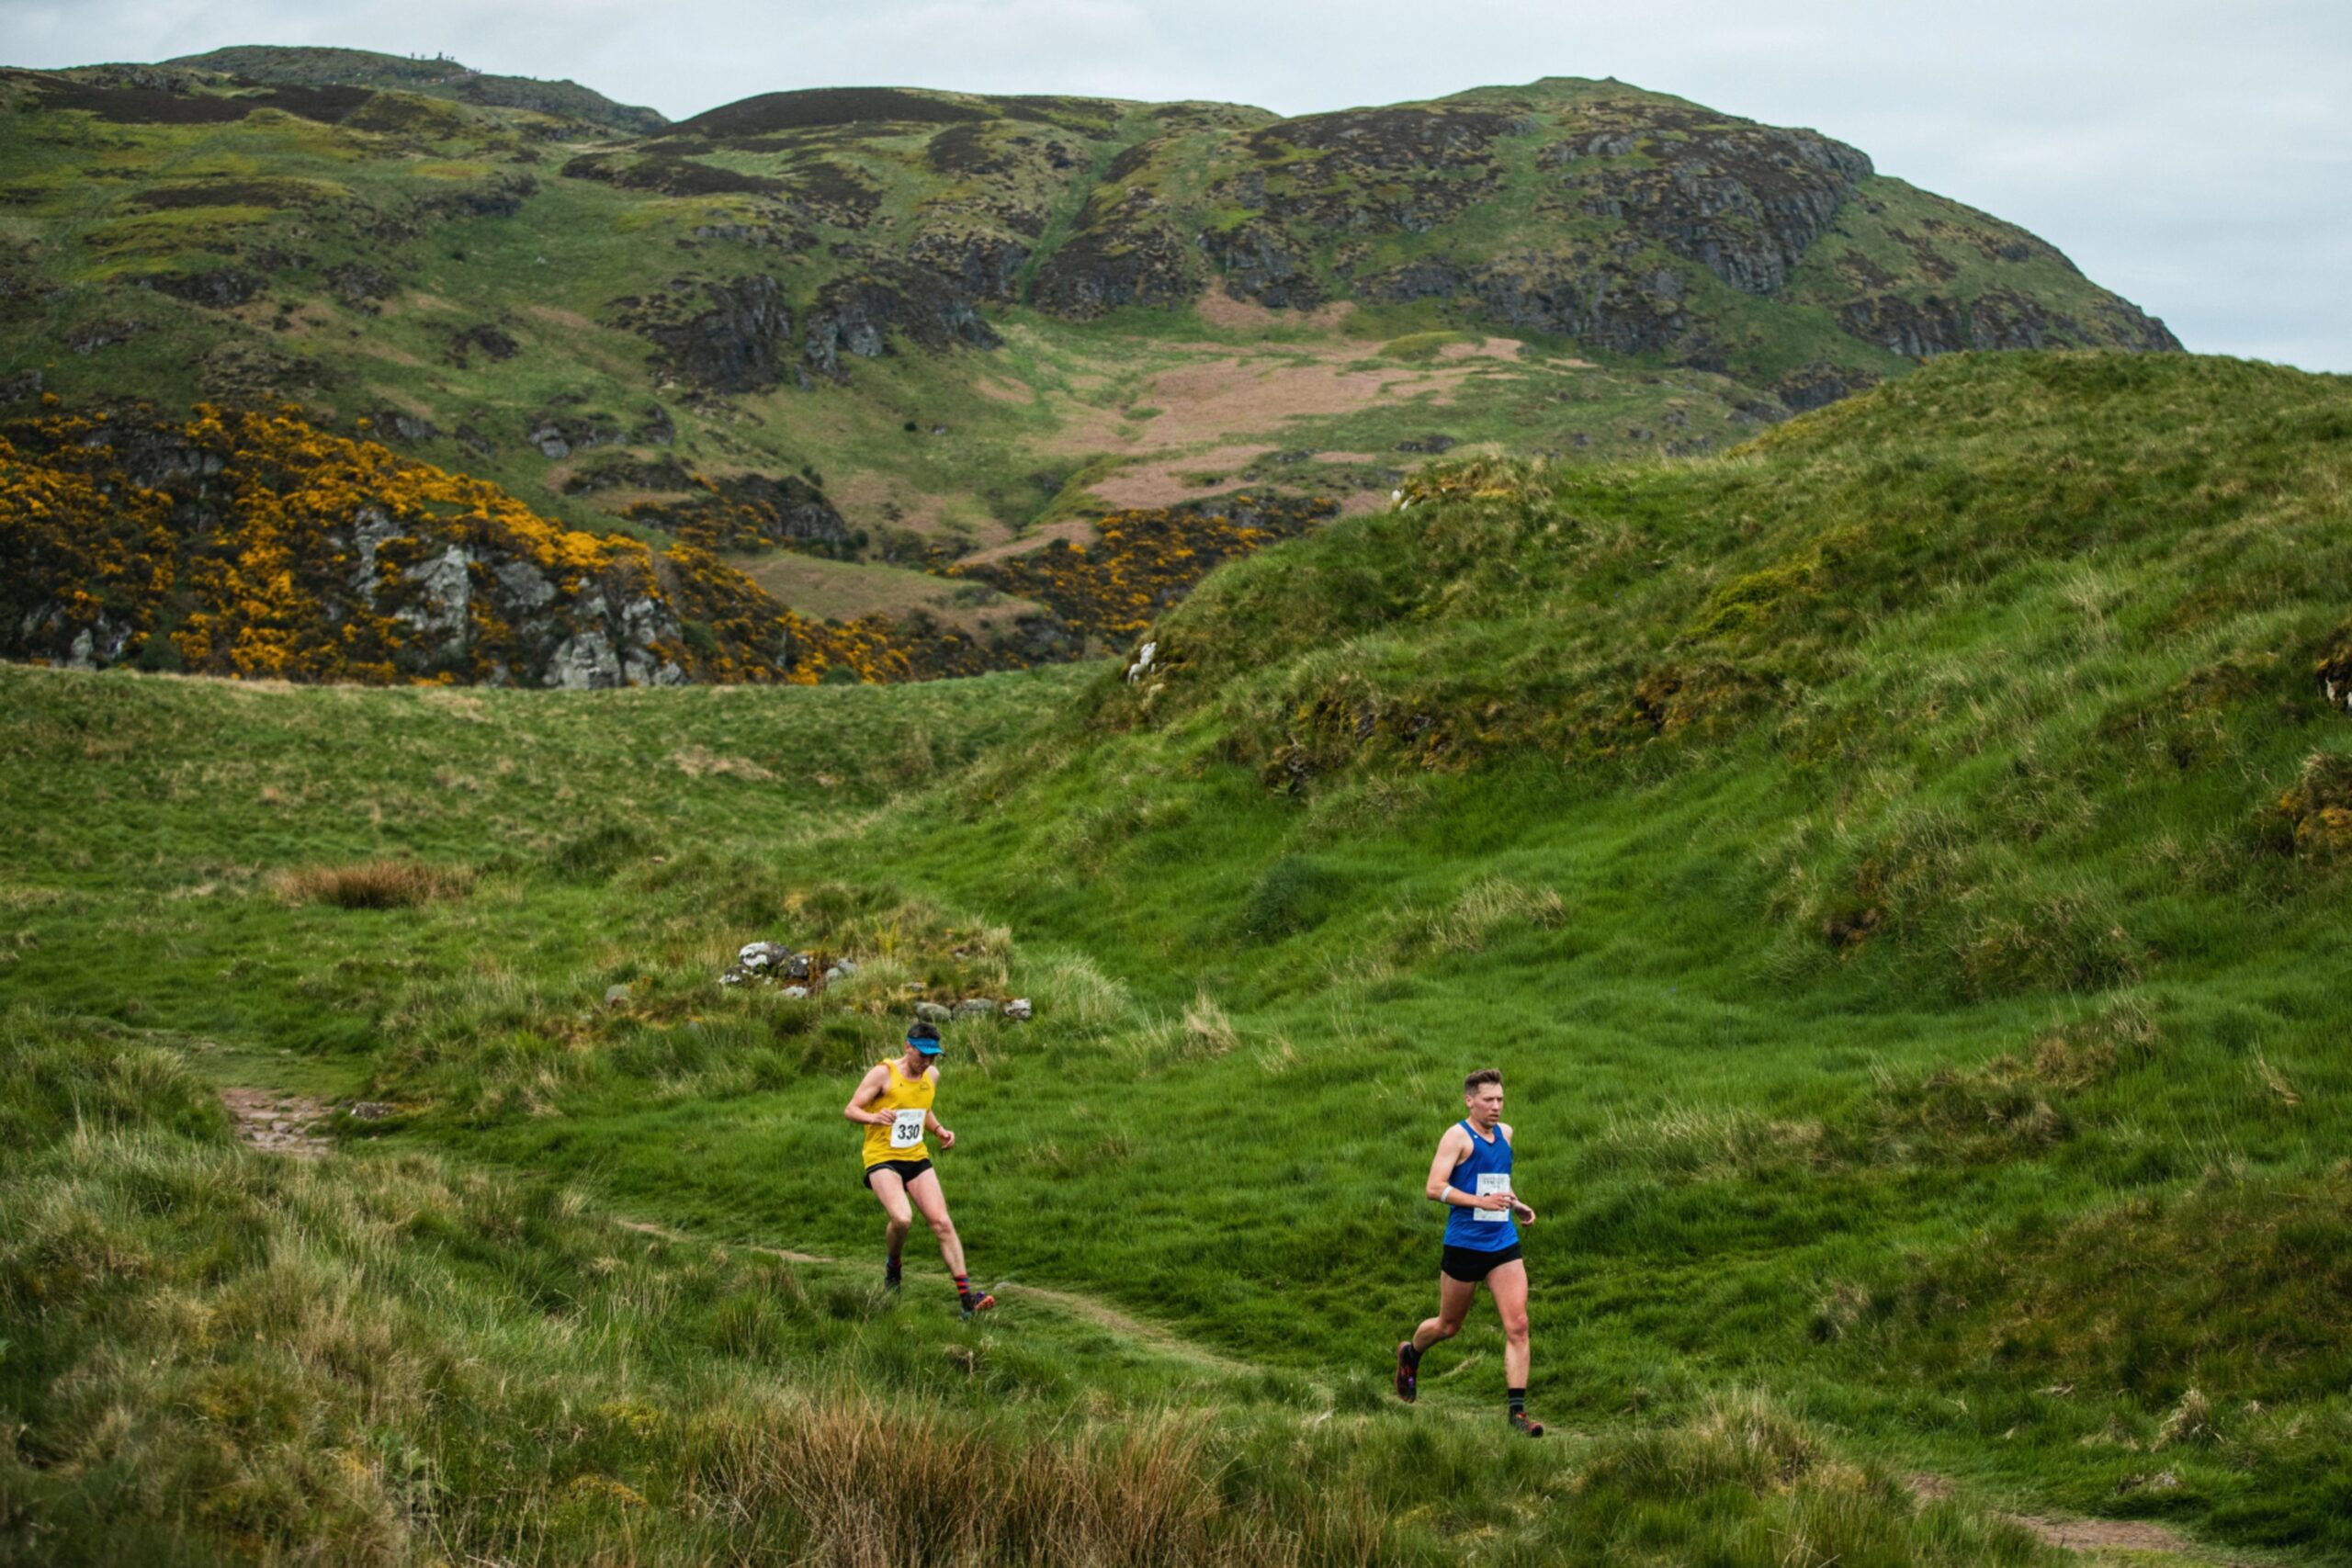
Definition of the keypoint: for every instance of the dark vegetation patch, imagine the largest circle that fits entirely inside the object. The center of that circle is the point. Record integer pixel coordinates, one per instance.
(772, 112)
(329, 105)
(227, 193)
(668, 177)
(140, 105)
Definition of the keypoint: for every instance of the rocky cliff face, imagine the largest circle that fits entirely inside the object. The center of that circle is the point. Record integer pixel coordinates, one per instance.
(255, 546)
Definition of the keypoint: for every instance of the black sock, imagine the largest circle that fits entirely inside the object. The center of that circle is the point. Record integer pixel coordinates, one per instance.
(1518, 1401)
(1412, 1355)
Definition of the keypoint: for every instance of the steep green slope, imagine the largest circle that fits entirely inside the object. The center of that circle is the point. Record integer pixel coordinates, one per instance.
(1896, 864)
(855, 335)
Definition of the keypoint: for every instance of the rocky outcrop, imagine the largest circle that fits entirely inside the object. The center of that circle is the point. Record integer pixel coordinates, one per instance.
(727, 335)
(1745, 202)
(860, 314)
(1261, 263)
(221, 288)
(1598, 302)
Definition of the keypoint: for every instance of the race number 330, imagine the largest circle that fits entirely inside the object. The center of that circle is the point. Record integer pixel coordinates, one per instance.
(1493, 1181)
(906, 1129)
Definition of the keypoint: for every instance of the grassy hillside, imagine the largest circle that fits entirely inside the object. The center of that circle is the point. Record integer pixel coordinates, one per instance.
(1897, 866)
(902, 328)
(439, 78)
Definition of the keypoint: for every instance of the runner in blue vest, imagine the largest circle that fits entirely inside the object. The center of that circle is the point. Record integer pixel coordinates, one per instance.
(1471, 1175)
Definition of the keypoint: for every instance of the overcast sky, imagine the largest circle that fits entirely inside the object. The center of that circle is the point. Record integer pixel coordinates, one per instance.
(2195, 157)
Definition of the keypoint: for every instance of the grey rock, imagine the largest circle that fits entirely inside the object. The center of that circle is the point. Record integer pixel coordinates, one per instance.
(973, 1006)
(370, 1109)
(934, 1012)
(795, 992)
(615, 995)
(1018, 1009)
(585, 662)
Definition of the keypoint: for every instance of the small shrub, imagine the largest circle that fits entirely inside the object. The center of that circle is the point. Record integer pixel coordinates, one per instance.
(598, 852)
(372, 884)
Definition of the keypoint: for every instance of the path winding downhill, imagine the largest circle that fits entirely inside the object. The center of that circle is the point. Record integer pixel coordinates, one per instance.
(284, 1125)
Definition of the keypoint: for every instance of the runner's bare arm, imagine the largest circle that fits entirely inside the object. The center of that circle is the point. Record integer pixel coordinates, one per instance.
(933, 1124)
(1452, 1150)
(867, 1087)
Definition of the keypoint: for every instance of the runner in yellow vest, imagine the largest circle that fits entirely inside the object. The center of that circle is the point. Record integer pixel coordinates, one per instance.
(893, 1104)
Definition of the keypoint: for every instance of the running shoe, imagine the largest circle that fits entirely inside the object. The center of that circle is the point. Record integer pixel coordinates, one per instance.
(1520, 1423)
(1408, 1375)
(890, 1276)
(979, 1301)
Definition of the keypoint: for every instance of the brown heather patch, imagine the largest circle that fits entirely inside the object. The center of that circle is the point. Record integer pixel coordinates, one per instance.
(371, 884)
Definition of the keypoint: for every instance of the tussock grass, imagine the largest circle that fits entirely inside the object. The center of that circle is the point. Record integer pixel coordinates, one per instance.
(371, 884)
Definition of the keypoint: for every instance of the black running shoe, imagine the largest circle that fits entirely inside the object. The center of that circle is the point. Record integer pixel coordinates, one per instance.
(1520, 1423)
(1408, 1372)
(889, 1276)
(979, 1300)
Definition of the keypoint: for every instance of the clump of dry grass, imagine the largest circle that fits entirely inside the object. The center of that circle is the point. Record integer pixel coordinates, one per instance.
(1147, 1496)
(371, 884)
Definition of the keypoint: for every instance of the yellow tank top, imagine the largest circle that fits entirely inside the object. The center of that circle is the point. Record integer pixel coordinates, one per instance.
(906, 1100)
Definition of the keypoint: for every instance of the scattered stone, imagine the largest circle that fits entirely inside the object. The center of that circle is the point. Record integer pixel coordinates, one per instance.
(932, 1012)
(795, 992)
(973, 1006)
(369, 1110)
(1142, 666)
(615, 995)
(1018, 1009)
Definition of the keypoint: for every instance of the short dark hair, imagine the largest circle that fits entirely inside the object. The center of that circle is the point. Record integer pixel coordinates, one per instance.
(926, 1030)
(1480, 1078)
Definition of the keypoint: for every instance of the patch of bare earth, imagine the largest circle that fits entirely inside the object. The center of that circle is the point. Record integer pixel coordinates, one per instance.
(868, 499)
(1169, 480)
(278, 1124)
(846, 591)
(1074, 530)
(997, 390)
(2100, 1535)
(2070, 1535)
(1221, 310)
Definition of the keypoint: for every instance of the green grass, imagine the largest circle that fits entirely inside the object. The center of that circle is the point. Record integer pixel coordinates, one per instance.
(1864, 852)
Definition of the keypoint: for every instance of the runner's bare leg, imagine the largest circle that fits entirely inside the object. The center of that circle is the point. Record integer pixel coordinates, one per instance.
(892, 1190)
(932, 1204)
(1509, 1284)
(1454, 1298)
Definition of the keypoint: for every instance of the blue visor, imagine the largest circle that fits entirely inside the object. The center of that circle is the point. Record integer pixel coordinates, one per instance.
(928, 1047)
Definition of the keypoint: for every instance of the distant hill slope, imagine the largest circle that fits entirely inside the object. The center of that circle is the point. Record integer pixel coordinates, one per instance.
(439, 78)
(853, 337)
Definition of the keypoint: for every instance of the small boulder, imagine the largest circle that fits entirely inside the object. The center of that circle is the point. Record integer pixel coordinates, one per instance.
(615, 995)
(795, 992)
(845, 967)
(1018, 1009)
(931, 1012)
(973, 1006)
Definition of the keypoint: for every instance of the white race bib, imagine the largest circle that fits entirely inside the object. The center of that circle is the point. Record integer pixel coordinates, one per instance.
(1493, 1181)
(906, 1129)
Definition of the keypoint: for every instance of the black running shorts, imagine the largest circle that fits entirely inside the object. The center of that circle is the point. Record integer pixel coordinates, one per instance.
(1469, 1265)
(908, 1170)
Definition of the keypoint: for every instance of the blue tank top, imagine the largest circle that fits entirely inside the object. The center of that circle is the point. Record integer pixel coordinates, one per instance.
(1465, 1227)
